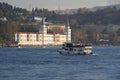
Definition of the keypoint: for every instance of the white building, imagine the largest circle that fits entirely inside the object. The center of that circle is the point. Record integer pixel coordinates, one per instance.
(42, 38)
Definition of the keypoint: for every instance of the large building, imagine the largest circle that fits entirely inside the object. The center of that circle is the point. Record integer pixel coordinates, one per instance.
(42, 38)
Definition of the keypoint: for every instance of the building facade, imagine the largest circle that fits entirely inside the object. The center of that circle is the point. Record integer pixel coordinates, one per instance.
(42, 38)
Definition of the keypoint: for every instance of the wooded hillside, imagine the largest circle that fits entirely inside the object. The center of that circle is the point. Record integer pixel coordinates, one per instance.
(86, 26)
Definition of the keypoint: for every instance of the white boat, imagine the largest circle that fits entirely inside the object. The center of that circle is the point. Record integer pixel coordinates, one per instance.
(76, 49)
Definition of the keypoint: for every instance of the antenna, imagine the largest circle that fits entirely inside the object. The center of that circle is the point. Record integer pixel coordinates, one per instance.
(59, 10)
(30, 7)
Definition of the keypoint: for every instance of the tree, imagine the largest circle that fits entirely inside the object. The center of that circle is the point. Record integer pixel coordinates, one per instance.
(78, 35)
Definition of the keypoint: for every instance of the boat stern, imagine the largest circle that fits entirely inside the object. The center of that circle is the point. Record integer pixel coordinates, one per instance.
(88, 50)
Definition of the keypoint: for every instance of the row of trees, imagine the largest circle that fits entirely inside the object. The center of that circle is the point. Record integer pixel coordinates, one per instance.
(12, 13)
(7, 32)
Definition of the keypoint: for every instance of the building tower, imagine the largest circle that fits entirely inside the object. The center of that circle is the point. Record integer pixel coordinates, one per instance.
(43, 29)
(68, 31)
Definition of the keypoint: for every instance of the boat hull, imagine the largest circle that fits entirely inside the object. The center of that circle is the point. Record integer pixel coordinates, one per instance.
(64, 52)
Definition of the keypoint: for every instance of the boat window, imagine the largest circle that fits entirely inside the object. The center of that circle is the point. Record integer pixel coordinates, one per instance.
(71, 49)
(87, 48)
(74, 49)
(80, 49)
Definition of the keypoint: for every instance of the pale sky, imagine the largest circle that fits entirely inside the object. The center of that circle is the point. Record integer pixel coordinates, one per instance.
(55, 4)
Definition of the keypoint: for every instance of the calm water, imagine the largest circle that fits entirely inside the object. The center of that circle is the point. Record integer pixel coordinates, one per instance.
(47, 64)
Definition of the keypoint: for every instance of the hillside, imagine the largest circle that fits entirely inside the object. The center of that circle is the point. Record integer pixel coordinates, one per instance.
(86, 25)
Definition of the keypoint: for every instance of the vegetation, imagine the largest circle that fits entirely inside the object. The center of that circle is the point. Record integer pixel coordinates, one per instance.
(86, 26)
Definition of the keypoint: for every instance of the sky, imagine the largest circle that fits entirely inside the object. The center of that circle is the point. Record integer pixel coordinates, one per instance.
(55, 4)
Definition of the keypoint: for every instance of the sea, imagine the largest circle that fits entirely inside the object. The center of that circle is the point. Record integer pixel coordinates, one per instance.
(48, 64)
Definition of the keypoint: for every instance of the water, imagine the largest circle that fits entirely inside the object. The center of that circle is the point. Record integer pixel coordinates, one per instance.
(47, 64)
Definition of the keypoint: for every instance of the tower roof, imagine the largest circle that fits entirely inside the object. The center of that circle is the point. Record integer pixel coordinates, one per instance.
(67, 23)
(42, 18)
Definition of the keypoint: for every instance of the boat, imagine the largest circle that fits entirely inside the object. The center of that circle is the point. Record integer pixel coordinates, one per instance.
(76, 49)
